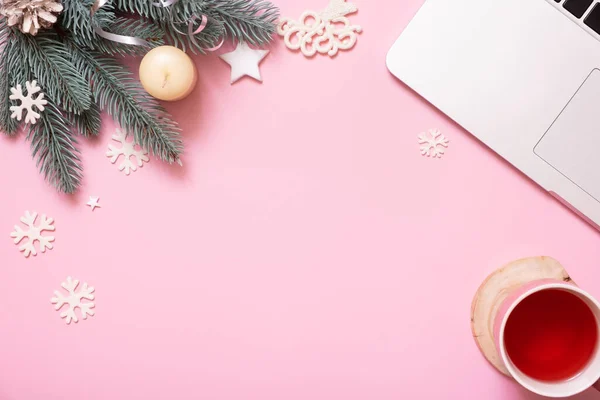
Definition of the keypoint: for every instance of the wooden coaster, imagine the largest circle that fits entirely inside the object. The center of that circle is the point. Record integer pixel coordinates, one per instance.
(496, 288)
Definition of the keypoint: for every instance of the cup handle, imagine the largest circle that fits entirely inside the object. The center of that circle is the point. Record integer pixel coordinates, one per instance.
(597, 385)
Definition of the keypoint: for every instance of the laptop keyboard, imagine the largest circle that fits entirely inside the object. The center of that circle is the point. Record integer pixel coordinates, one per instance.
(579, 8)
(576, 7)
(593, 18)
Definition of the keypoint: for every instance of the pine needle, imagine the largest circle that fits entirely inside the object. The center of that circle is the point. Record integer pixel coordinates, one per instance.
(88, 123)
(53, 147)
(139, 28)
(49, 62)
(77, 19)
(8, 57)
(252, 21)
(117, 92)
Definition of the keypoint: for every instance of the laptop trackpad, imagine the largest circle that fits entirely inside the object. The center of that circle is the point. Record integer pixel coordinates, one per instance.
(572, 144)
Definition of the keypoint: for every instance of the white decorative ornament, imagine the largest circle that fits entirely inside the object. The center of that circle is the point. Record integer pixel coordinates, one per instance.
(33, 234)
(433, 143)
(127, 150)
(93, 202)
(244, 61)
(73, 300)
(27, 102)
(321, 31)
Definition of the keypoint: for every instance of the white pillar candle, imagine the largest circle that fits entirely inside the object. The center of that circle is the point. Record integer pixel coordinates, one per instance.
(167, 73)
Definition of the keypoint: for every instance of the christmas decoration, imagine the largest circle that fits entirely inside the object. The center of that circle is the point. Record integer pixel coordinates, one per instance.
(30, 15)
(93, 202)
(72, 50)
(127, 150)
(27, 102)
(244, 61)
(73, 300)
(167, 73)
(33, 234)
(321, 31)
(433, 143)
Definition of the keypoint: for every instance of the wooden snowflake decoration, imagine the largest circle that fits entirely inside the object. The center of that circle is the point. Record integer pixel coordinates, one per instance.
(325, 32)
(73, 300)
(433, 143)
(128, 150)
(27, 102)
(33, 233)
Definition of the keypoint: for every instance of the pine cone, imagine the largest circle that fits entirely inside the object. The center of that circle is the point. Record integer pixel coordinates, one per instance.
(30, 15)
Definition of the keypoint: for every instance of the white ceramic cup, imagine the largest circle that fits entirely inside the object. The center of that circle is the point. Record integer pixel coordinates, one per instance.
(590, 374)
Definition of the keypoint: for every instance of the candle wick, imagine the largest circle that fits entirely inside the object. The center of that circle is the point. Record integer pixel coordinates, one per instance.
(165, 81)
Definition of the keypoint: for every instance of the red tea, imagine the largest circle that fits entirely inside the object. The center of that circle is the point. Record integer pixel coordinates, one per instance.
(551, 335)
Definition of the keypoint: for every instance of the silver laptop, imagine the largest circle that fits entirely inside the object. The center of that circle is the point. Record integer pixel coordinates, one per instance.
(523, 76)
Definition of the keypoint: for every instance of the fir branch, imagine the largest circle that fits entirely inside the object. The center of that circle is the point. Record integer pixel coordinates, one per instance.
(8, 57)
(54, 149)
(174, 21)
(141, 28)
(117, 92)
(180, 12)
(76, 18)
(242, 20)
(19, 70)
(246, 20)
(88, 123)
(208, 38)
(49, 62)
(14, 70)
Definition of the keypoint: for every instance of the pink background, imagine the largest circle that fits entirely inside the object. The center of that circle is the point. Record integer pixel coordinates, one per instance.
(305, 251)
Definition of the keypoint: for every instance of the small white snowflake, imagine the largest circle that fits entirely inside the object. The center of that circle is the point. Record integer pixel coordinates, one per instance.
(27, 102)
(73, 300)
(433, 143)
(34, 233)
(128, 150)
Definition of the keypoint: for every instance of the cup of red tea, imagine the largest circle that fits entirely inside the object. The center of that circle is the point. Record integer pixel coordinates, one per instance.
(547, 335)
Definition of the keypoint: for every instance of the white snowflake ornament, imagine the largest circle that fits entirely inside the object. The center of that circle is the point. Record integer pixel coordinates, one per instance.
(127, 150)
(27, 102)
(325, 32)
(33, 234)
(73, 300)
(433, 143)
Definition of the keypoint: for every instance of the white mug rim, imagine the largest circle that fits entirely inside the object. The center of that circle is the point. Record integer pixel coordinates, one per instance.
(504, 356)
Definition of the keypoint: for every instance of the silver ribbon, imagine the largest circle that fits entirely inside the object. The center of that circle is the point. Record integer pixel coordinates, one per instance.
(113, 36)
(164, 3)
(192, 31)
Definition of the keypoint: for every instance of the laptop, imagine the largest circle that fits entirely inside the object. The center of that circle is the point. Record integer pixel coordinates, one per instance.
(523, 76)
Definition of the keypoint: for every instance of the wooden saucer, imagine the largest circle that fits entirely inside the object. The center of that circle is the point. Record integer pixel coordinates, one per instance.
(496, 288)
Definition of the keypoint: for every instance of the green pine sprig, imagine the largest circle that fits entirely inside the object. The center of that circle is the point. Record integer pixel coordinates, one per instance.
(77, 19)
(117, 92)
(88, 123)
(174, 21)
(252, 21)
(54, 148)
(49, 62)
(141, 28)
(8, 58)
(209, 38)
(81, 74)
